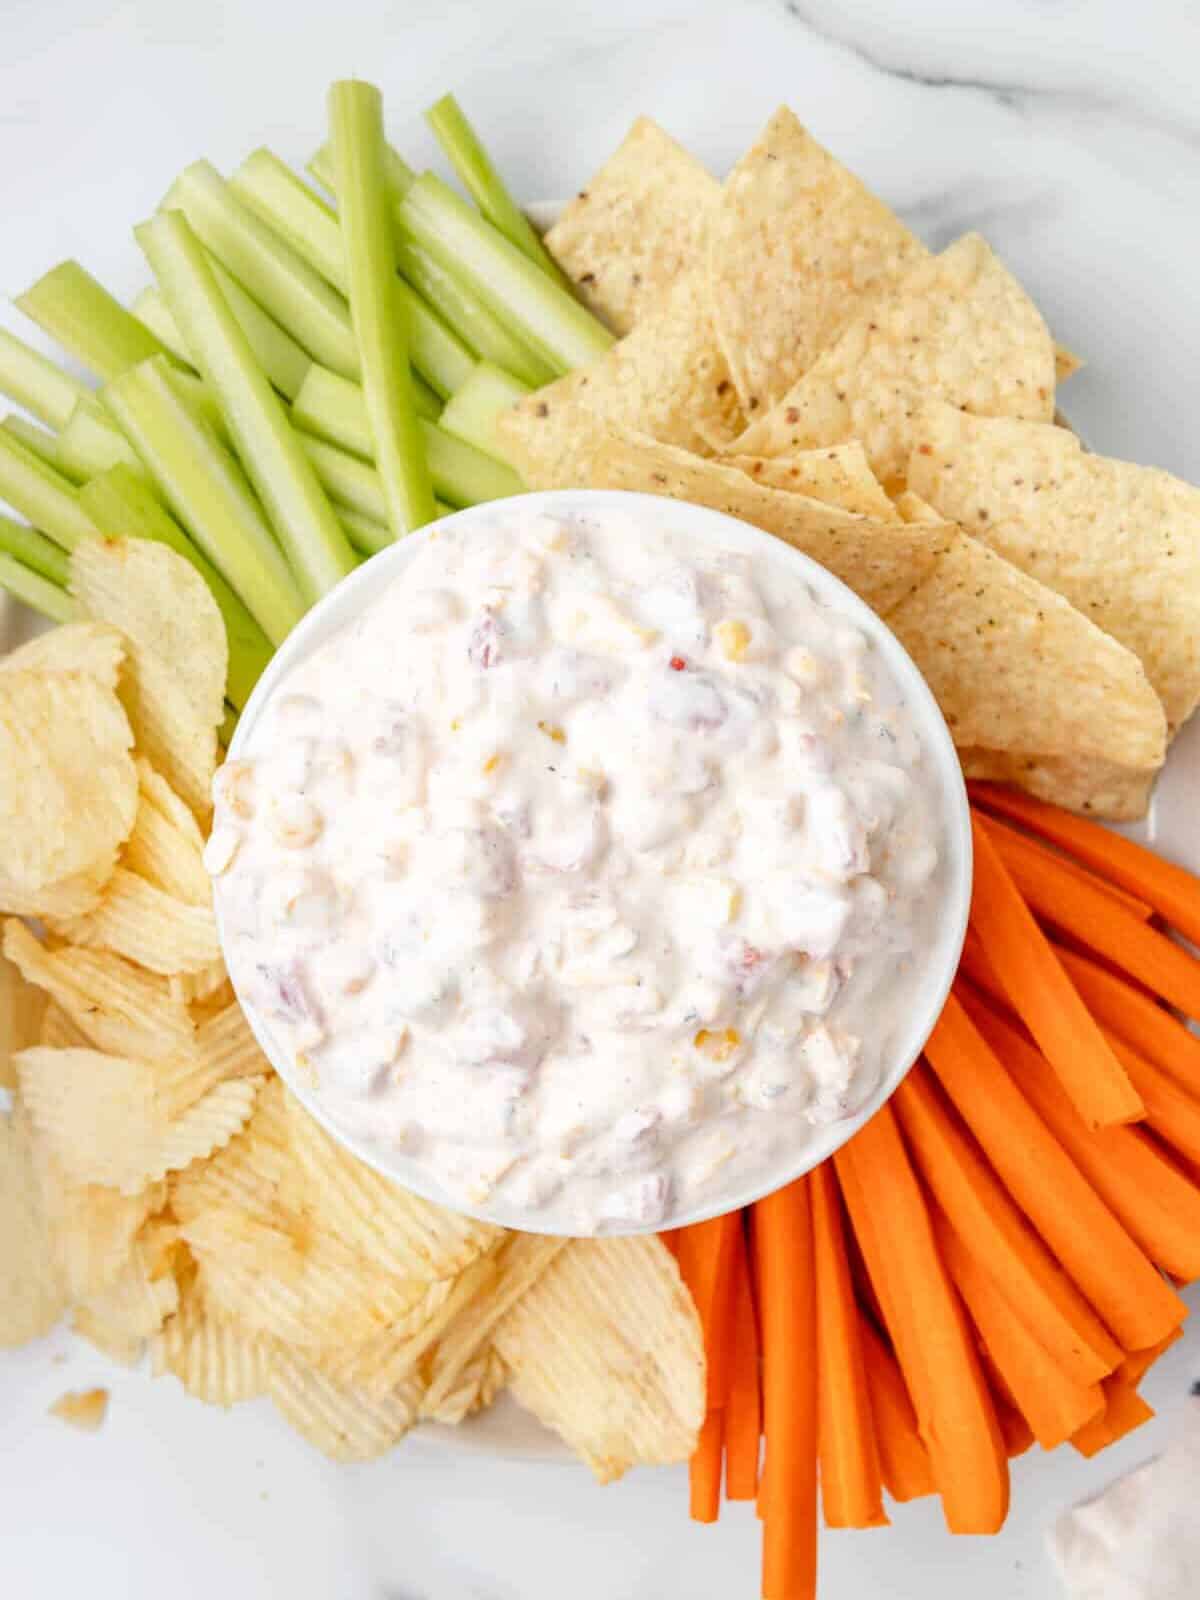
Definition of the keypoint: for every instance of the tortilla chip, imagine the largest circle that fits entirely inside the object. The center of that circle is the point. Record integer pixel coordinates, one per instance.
(637, 226)
(1095, 788)
(1120, 542)
(959, 327)
(840, 476)
(666, 379)
(1066, 363)
(798, 246)
(881, 561)
(1018, 670)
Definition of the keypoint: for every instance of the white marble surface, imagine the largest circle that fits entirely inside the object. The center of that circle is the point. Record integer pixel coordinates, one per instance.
(1068, 131)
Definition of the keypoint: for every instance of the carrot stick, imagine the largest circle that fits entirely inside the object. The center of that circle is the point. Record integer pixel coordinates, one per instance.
(928, 1327)
(1097, 1193)
(1092, 918)
(907, 1470)
(1172, 1112)
(1053, 1404)
(743, 1412)
(784, 1245)
(993, 1231)
(1018, 1436)
(1041, 993)
(1171, 890)
(1138, 1362)
(1044, 1180)
(704, 1471)
(1125, 1411)
(1056, 862)
(851, 1483)
(1139, 1021)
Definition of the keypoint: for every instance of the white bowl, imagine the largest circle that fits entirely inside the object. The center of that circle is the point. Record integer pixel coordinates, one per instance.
(930, 982)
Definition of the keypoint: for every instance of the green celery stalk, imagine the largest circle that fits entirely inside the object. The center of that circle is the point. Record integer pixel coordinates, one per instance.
(265, 440)
(80, 314)
(366, 535)
(467, 316)
(471, 413)
(91, 443)
(270, 271)
(333, 408)
(207, 491)
(37, 383)
(545, 316)
(478, 175)
(399, 176)
(150, 308)
(44, 444)
(437, 353)
(121, 504)
(462, 475)
(41, 493)
(356, 132)
(347, 480)
(38, 593)
(32, 549)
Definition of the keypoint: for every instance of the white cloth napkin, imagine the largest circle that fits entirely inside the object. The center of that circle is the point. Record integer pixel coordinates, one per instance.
(1140, 1538)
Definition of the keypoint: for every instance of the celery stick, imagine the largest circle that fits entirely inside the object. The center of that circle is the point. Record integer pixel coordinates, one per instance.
(37, 383)
(44, 444)
(80, 314)
(462, 475)
(436, 352)
(121, 503)
(206, 489)
(34, 550)
(150, 308)
(471, 413)
(347, 480)
(356, 132)
(38, 593)
(467, 316)
(400, 176)
(547, 317)
(333, 408)
(258, 424)
(91, 443)
(483, 183)
(270, 271)
(41, 493)
(366, 535)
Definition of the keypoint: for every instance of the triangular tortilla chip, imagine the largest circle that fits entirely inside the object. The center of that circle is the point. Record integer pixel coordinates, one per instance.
(959, 328)
(1121, 542)
(840, 476)
(636, 226)
(797, 246)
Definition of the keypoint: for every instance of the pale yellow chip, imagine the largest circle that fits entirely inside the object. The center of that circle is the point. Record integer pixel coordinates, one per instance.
(1018, 671)
(838, 476)
(606, 1348)
(475, 1388)
(1066, 363)
(131, 1309)
(156, 791)
(797, 247)
(92, 1228)
(958, 327)
(166, 857)
(882, 561)
(254, 1174)
(84, 1409)
(57, 1029)
(32, 1293)
(667, 379)
(68, 789)
(90, 647)
(144, 924)
(114, 1004)
(637, 226)
(343, 1423)
(68, 897)
(197, 988)
(400, 1232)
(1120, 542)
(397, 1353)
(22, 1008)
(173, 686)
(913, 509)
(215, 1360)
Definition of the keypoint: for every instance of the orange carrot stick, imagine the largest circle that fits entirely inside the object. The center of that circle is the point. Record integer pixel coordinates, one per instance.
(1125, 1411)
(743, 1412)
(994, 1231)
(907, 1470)
(705, 1253)
(1173, 892)
(928, 1327)
(1092, 918)
(1018, 1436)
(704, 1472)
(1138, 1362)
(1042, 994)
(1055, 862)
(1104, 1191)
(1094, 1249)
(784, 1246)
(851, 1483)
(1053, 1404)
(1139, 1021)
(1172, 1112)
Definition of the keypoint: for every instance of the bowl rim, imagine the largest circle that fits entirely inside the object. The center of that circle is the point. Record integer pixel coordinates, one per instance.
(716, 529)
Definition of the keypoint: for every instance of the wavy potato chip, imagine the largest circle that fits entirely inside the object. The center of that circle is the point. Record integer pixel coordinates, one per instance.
(163, 855)
(144, 924)
(957, 327)
(154, 789)
(32, 1294)
(68, 897)
(197, 988)
(58, 1030)
(1120, 542)
(638, 224)
(84, 1409)
(474, 1389)
(92, 1228)
(606, 1349)
(129, 1310)
(22, 1008)
(343, 1423)
(838, 476)
(94, 648)
(252, 1174)
(215, 1360)
(378, 1363)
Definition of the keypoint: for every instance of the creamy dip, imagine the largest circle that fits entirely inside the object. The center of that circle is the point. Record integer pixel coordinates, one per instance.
(588, 868)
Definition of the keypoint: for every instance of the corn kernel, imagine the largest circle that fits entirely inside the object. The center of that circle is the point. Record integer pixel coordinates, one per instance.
(719, 1045)
(552, 731)
(733, 638)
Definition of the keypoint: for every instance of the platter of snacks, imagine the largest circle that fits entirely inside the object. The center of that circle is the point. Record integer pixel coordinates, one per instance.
(972, 1256)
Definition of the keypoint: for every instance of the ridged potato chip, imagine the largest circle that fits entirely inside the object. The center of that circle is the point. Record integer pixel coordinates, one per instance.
(83, 1409)
(165, 856)
(58, 1030)
(253, 1174)
(67, 897)
(153, 929)
(91, 647)
(194, 988)
(217, 1361)
(129, 1310)
(606, 1348)
(22, 1008)
(156, 791)
(32, 1293)
(342, 1423)
(475, 1388)
(839, 476)
(377, 1364)
(92, 1228)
